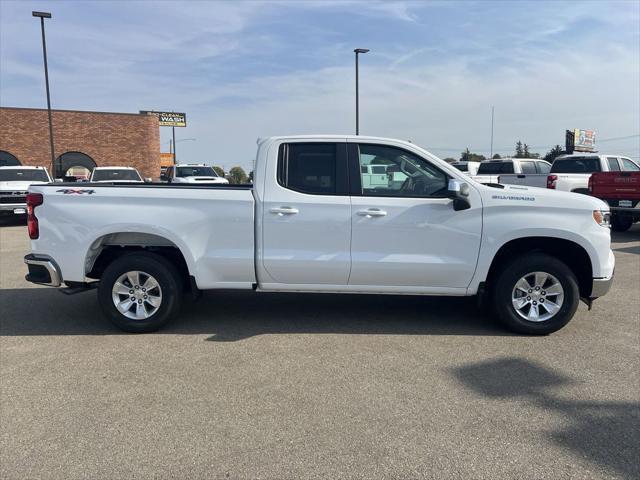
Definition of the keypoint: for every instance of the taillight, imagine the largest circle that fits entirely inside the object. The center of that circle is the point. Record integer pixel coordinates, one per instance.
(551, 181)
(33, 200)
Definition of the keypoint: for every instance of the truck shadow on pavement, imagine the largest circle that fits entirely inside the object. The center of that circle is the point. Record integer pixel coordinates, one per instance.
(229, 316)
(606, 433)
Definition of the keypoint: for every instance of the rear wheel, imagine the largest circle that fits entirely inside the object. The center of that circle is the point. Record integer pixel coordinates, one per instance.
(536, 294)
(140, 292)
(621, 223)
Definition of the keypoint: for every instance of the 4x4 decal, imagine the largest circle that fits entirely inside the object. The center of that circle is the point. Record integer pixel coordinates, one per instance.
(76, 191)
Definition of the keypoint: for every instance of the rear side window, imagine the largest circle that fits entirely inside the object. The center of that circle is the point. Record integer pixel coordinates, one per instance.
(528, 167)
(576, 165)
(613, 164)
(314, 168)
(629, 166)
(543, 167)
(493, 168)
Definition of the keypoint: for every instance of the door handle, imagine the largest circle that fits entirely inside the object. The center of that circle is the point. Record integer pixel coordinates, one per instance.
(372, 212)
(284, 211)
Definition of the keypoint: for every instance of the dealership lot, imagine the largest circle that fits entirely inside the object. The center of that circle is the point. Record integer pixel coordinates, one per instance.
(288, 386)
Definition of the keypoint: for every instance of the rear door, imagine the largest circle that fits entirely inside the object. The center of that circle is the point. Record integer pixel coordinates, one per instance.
(405, 233)
(306, 217)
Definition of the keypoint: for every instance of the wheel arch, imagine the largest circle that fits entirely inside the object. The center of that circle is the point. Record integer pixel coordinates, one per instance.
(567, 251)
(108, 247)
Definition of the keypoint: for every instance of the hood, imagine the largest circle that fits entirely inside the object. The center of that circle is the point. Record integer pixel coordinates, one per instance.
(205, 179)
(117, 181)
(540, 197)
(18, 186)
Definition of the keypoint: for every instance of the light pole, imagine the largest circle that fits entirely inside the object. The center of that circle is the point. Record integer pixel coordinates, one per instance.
(172, 143)
(491, 154)
(357, 51)
(42, 16)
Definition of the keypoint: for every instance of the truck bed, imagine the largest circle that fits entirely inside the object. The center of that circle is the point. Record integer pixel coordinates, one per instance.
(211, 225)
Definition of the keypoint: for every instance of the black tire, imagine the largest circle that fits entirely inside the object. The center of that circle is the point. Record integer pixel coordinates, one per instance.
(166, 276)
(581, 191)
(621, 223)
(512, 272)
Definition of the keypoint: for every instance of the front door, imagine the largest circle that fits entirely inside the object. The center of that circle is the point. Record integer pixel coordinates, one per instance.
(307, 217)
(405, 231)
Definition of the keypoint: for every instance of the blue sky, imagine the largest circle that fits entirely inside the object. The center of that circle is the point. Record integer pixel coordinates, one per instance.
(242, 70)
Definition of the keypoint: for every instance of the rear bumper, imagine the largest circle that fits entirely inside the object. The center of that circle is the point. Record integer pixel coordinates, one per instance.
(43, 270)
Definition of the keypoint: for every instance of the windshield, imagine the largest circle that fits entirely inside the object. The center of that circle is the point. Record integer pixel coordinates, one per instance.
(115, 174)
(462, 167)
(492, 168)
(195, 172)
(26, 175)
(576, 165)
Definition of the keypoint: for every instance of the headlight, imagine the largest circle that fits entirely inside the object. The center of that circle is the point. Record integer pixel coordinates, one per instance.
(602, 218)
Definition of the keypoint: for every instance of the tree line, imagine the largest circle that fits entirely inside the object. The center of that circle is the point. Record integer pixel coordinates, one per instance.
(235, 174)
(522, 150)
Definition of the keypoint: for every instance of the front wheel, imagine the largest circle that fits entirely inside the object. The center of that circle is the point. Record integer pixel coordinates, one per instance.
(536, 294)
(140, 292)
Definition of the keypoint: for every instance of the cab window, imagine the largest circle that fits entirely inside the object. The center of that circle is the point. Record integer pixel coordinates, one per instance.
(313, 168)
(629, 166)
(613, 164)
(398, 173)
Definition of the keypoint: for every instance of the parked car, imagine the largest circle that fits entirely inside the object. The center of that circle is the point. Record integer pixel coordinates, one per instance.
(470, 168)
(115, 174)
(571, 173)
(192, 173)
(310, 224)
(14, 183)
(621, 191)
(520, 171)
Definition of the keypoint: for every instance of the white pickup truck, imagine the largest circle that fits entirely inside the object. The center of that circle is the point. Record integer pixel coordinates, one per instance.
(308, 224)
(193, 173)
(14, 184)
(518, 171)
(571, 173)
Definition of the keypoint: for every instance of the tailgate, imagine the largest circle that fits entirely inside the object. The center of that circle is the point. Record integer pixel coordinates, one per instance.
(615, 185)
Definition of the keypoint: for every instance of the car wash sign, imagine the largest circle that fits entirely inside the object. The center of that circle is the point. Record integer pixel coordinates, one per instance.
(170, 119)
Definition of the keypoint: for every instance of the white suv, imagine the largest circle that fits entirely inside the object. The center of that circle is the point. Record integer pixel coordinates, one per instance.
(192, 173)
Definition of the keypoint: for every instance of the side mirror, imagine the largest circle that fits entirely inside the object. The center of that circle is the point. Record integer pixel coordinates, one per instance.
(459, 192)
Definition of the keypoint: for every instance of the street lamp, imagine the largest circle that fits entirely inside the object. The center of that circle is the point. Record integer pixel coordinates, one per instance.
(42, 16)
(174, 141)
(358, 51)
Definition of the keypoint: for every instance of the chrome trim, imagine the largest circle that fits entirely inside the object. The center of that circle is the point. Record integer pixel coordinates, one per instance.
(601, 286)
(54, 274)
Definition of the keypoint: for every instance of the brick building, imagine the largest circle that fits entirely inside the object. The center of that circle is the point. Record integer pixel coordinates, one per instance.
(81, 139)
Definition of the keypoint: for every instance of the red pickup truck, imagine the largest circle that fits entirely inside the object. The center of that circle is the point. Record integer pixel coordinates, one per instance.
(621, 190)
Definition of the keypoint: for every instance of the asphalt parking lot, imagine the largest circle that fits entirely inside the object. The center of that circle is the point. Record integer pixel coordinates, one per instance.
(280, 386)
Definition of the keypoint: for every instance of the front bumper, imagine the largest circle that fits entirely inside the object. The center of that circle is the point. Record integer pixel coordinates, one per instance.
(601, 287)
(11, 207)
(43, 270)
